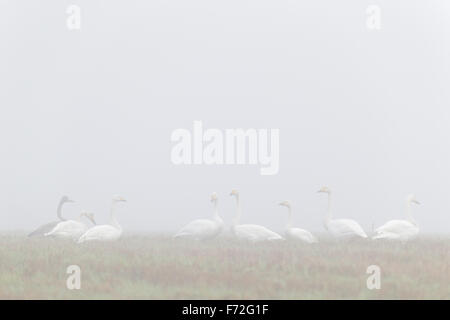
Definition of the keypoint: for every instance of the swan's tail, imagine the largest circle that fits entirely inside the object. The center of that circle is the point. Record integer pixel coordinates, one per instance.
(383, 235)
(81, 239)
(35, 234)
(181, 234)
(49, 233)
(362, 234)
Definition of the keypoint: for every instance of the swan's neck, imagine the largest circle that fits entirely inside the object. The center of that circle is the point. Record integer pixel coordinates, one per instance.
(59, 210)
(329, 214)
(114, 222)
(237, 219)
(409, 214)
(289, 222)
(216, 212)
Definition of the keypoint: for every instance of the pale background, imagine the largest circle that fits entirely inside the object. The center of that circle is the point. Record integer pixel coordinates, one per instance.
(89, 113)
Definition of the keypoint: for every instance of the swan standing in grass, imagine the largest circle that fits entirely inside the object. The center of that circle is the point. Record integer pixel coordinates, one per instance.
(341, 228)
(42, 230)
(402, 230)
(250, 232)
(107, 232)
(296, 234)
(71, 229)
(203, 229)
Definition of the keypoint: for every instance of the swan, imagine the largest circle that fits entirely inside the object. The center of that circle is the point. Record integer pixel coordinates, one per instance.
(296, 234)
(42, 230)
(106, 232)
(71, 229)
(203, 229)
(250, 232)
(341, 228)
(402, 230)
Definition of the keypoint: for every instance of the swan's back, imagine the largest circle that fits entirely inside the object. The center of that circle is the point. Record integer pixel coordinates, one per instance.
(254, 233)
(300, 234)
(201, 229)
(397, 226)
(397, 229)
(68, 229)
(101, 233)
(345, 228)
(42, 230)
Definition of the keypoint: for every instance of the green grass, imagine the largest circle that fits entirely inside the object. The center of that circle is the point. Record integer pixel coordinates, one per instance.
(158, 267)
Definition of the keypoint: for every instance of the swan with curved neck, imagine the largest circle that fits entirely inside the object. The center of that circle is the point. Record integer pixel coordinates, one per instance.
(71, 229)
(340, 228)
(296, 234)
(42, 230)
(402, 230)
(203, 229)
(250, 232)
(106, 232)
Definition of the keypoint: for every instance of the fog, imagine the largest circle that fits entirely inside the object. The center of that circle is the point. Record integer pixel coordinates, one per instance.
(90, 112)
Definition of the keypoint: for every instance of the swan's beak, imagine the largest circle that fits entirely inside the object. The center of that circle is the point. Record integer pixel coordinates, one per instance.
(70, 200)
(415, 201)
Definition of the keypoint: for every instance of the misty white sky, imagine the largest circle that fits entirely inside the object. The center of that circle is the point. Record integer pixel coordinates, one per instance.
(89, 113)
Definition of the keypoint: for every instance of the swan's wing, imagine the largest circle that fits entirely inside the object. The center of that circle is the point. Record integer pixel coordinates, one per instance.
(346, 227)
(42, 230)
(386, 235)
(200, 227)
(245, 232)
(101, 233)
(65, 228)
(396, 226)
(301, 234)
(256, 232)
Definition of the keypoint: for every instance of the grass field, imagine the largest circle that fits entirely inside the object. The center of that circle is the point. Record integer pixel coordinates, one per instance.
(158, 267)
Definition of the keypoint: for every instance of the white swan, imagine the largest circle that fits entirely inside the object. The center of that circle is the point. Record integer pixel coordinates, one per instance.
(71, 229)
(42, 230)
(107, 232)
(402, 230)
(250, 232)
(296, 234)
(203, 229)
(341, 228)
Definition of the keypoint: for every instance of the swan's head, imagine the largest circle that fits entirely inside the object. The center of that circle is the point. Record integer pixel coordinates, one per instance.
(412, 199)
(89, 215)
(234, 192)
(285, 204)
(66, 199)
(214, 197)
(117, 198)
(325, 190)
